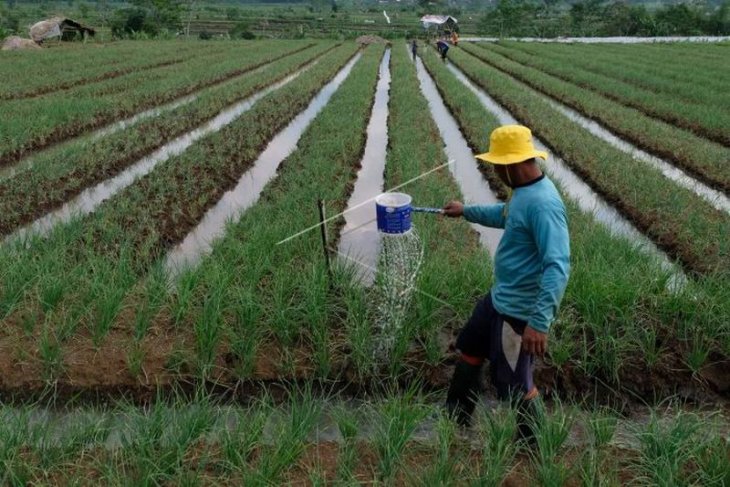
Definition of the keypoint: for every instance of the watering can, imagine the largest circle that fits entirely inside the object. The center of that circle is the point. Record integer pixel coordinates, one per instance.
(393, 211)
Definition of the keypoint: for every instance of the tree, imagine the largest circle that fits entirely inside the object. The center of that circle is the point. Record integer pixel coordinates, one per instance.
(165, 13)
(232, 13)
(586, 17)
(719, 22)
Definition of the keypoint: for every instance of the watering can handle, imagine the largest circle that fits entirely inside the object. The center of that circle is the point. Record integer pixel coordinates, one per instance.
(419, 209)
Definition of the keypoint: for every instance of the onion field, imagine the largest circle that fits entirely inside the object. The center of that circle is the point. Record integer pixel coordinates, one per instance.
(174, 312)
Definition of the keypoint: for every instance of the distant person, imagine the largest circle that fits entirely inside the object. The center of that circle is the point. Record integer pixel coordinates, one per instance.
(510, 325)
(414, 48)
(443, 48)
(455, 38)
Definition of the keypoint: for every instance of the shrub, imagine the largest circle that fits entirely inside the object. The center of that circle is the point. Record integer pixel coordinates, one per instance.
(240, 31)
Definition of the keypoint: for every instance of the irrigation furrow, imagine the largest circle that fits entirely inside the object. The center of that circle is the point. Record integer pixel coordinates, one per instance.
(612, 173)
(84, 78)
(79, 127)
(359, 238)
(130, 232)
(578, 191)
(652, 71)
(605, 267)
(12, 170)
(199, 242)
(473, 187)
(704, 159)
(714, 197)
(64, 174)
(158, 211)
(699, 119)
(82, 82)
(89, 199)
(92, 60)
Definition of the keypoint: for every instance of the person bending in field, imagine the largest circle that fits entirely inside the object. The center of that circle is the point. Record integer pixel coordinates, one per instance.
(443, 48)
(510, 325)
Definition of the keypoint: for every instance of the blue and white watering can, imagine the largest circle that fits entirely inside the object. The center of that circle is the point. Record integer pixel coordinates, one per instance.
(394, 212)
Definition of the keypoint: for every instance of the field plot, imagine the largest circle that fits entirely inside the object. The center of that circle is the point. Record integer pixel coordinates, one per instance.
(176, 260)
(706, 160)
(30, 124)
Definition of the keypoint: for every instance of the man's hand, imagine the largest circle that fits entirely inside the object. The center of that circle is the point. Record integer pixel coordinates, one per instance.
(454, 209)
(534, 341)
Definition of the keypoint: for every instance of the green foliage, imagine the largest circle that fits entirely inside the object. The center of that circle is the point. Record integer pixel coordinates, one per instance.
(9, 22)
(523, 18)
(241, 31)
(233, 13)
(151, 17)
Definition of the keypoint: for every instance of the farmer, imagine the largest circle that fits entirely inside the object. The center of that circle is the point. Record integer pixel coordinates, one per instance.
(414, 48)
(510, 325)
(455, 38)
(442, 47)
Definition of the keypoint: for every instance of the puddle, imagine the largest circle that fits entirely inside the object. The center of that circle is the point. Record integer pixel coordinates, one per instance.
(713, 197)
(359, 238)
(582, 194)
(90, 198)
(233, 203)
(606, 40)
(472, 184)
(153, 112)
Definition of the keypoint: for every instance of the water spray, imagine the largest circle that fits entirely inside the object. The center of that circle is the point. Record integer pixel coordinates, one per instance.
(399, 262)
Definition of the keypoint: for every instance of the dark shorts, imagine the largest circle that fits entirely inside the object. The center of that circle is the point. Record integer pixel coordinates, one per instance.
(497, 338)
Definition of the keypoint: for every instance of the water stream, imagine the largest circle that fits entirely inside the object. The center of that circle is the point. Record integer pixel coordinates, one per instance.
(472, 184)
(575, 188)
(27, 162)
(89, 199)
(233, 203)
(712, 196)
(359, 238)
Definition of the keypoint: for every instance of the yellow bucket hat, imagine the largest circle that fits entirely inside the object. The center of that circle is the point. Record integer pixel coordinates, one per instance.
(510, 144)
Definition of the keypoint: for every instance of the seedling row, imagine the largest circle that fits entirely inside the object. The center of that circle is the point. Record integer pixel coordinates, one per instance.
(90, 306)
(700, 157)
(88, 66)
(659, 72)
(60, 174)
(39, 122)
(400, 439)
(708, 121)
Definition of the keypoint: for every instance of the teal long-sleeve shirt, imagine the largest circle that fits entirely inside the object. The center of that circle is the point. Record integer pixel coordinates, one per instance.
(532, 263)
